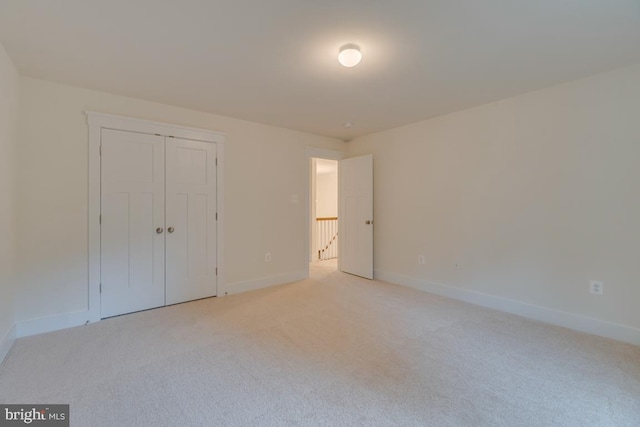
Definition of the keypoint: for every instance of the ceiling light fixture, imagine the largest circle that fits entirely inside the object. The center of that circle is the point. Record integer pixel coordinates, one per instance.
(349, 55)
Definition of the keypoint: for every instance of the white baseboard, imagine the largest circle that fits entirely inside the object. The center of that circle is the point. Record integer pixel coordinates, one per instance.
(577, 322)
(7, 342)
(78, 318)
(53, 323)
(265, 282)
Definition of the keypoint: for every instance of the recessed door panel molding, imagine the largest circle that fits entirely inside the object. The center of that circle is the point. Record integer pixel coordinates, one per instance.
(356, 214)
(155, 214)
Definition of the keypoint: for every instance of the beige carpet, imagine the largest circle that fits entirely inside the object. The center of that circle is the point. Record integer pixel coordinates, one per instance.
(334, 350)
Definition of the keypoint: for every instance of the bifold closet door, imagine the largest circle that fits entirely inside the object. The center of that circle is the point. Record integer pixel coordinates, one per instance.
(132, 222)
(191, 220)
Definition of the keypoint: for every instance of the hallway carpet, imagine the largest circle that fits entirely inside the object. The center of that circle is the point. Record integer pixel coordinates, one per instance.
(332, 350)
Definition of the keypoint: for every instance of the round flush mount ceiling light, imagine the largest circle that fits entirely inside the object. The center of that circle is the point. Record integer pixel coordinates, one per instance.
(349, 55)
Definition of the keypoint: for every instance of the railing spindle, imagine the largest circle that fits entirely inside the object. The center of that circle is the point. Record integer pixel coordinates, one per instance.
(327, 236)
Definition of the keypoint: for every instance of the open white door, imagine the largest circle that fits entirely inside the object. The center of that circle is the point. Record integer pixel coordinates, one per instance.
(356, 216)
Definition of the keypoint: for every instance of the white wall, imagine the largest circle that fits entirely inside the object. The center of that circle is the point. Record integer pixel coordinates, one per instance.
(327, 194)
(9, 89)
(533, 196)
(264, 167)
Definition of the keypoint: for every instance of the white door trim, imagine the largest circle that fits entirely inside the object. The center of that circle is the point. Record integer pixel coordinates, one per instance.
(98, 121)
(310, 153)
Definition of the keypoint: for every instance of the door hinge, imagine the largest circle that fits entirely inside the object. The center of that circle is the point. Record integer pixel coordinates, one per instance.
(100, 149)
(216, 271)
(216, 161)
(216, 216)
(100, 219)
(100, 287)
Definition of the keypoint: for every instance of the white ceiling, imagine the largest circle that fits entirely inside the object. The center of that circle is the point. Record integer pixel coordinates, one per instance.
(274, 61)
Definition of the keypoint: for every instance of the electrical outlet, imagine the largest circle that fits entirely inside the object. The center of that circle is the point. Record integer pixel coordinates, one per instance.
(267, 257)
(596, 287)
(420, 259)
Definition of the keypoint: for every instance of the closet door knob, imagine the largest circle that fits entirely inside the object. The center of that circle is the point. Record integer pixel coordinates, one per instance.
(159, 230)
(170, 229)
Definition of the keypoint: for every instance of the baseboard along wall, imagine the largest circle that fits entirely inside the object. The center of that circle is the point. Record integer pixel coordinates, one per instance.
(265, 282)
(7, 342)
(569, 320)
(573, 321)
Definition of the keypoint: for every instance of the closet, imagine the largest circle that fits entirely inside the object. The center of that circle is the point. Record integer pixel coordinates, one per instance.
(158, 214)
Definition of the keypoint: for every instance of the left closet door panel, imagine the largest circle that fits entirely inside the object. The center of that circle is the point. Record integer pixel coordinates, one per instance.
(132, 216)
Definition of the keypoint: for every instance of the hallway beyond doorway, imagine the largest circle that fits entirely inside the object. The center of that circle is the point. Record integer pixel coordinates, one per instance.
(325, 265)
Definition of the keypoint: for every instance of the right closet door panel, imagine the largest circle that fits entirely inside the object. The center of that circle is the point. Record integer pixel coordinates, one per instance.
(191, 220)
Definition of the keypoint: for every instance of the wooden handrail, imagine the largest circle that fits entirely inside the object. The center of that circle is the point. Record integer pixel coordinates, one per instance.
(331, 218)
(326, 248)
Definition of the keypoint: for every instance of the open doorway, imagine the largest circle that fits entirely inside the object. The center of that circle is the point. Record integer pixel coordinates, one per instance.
(323, 221)
(353, 217)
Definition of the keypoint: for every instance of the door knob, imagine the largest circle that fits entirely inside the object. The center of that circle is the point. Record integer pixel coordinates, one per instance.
(159, 230)
(170, 229)
(368, 222)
